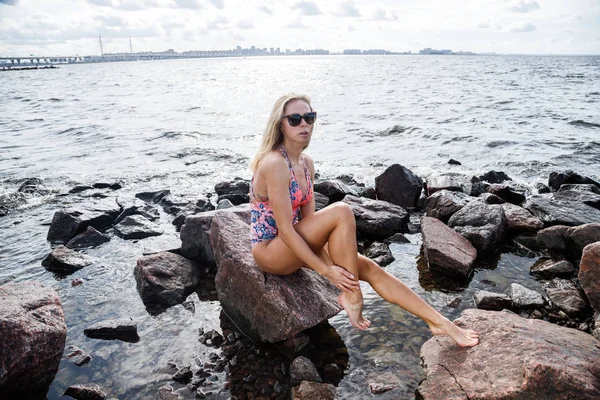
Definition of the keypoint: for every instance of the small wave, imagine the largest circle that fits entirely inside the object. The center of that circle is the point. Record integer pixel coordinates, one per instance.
(584, 124)
(504, 102)
(54, 99)
(193, 108)
(35, 120)
(397, 130)
(592, 94)
(574, 76)
(499, 143)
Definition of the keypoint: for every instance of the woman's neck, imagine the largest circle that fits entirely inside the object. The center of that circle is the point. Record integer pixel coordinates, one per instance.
(293, 150)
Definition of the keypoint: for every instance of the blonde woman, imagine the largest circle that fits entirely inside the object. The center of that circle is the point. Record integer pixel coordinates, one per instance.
(324, 241)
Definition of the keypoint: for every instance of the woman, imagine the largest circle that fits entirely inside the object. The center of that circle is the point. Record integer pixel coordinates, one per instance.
(324, 241)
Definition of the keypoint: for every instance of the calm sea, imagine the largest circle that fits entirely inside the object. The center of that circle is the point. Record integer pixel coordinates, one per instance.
(185, 125)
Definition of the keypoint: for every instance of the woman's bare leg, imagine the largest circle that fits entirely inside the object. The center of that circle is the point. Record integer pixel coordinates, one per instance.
(334, 225)
(395, 291)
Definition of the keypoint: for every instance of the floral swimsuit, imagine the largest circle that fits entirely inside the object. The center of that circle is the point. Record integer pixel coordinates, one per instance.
(262, 221)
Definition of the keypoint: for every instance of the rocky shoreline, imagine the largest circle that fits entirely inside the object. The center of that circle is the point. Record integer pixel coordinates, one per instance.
(463, 219)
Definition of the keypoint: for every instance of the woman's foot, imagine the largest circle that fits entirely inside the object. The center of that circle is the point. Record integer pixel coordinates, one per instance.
(354, 310)
(462, 337)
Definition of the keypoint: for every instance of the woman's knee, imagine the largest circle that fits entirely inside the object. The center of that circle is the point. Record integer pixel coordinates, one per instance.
(343, 211)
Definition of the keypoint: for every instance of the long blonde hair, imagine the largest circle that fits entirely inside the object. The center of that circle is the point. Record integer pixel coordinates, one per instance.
(273, 135)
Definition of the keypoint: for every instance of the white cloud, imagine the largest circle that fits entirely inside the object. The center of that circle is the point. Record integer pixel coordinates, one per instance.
(523, 6)
(348, 9)
(521, 27)
(191, 4)
(218, 23)
(382, 15)
(245, 24)
(307, 8)
(220, 4)
(296, 25)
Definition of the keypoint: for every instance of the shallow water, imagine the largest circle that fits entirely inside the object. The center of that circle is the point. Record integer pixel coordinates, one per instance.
(188, 124)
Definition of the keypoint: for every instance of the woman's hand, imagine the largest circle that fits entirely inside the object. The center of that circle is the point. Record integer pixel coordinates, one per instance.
(341, 278)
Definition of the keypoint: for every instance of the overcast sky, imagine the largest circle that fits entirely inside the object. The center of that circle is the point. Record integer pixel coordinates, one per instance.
(69, 27)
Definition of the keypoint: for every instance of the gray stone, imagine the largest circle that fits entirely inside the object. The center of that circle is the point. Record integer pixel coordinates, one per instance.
(314, 391)
(302, 369)
(523, 297)
(557, 212)
(377, 218)
(334, 190)
(380, 253)
(548, 268)
(589, 274)
(484, 225)
(566, 296)
(90, 238)
(519, 219)
(398, 185)
(137, 227)
(444, 203)
(492, 301)
(122, 329)
(85, 391)
(64, 260)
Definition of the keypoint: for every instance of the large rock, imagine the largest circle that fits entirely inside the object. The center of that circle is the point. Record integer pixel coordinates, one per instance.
(516, 358)
(377, 218)
(137, 227)
(557, 179)
(313, 391)
(266, 307)
(33, 332)
(552, 238)
(64, 260)
(114, 329)
(557, 212)
(90, 238)
(302, 369)
(398, 185)
(523, 297)
(577, 194)
(165, 278)
(444, 203)
(483, 224)
(446, 250)
(195, 234)
(507, 193)
(580, 236)
(69, 222)
(334, 190)
(549, 268)
(492, 301)
(85, 391)
(589, 274)
(519, 219)
(567, 297)
(380, 253)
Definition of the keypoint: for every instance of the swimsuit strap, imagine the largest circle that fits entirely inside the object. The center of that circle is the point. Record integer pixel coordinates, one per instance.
(285, 155)
(252, 187)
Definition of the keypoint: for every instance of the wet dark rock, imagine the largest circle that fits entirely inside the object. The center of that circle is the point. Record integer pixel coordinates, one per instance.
(552, 238)
(519, 219)
(321, 201)
(495, 177)
(302, 369)
(492, 301)
(33, 332)
(78, 356)
(69, 222)
(215, 338)
(90, 238)
(369, 193)
(484, 225)
(523, 297)
(183, 375)
(541, 188)
(334, 190)
(120, 329)
(77, 282)
(548, 268)
(313, 391)
(526, 243)
(165, 278)
(146, 210)
(195, 234)
(533, 355)
(377, 218)
(65, 260)
(106, 185)
(557, 179)
(577, 238)
(31, 185)
(11, 201)
(450, 181)
(332, 373)
(349, 180)
(579, 193)
(234, 199)
(380, 253)
(396, 238)
(153, 197)
(454, 162)
(446, 250)
(507, 193)
(398, 185)
(237, 186)
(557, 212)
(265, 307)
(80, 188)
(444, 203)
(85, 391)
(137, 227)
(589, 274)
(491, 198)
(380, 387)
(173, 205)
(224, 203)
(478, 187)
(566, 296)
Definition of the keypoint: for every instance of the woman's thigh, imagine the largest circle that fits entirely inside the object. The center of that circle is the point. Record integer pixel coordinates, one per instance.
(276, 257)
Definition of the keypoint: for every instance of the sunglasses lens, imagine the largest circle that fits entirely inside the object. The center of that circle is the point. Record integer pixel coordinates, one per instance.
(295, 119)
(310, 117)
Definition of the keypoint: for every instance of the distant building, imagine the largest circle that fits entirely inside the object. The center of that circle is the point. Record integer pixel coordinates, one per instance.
(352, 51)
(429, 50)
(375, 51)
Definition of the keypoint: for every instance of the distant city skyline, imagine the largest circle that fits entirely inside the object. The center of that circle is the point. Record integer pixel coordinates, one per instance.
(69, 27)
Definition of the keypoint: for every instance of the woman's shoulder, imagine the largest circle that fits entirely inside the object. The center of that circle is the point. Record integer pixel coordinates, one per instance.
(308, 161)
(273, 159)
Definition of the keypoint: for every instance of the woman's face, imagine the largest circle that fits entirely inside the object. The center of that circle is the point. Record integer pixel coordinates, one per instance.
(297, 134)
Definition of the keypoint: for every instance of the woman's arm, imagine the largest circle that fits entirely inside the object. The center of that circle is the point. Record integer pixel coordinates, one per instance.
(277, 178)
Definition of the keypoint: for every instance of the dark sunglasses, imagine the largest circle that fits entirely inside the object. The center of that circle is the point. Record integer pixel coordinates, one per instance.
(296, 119)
